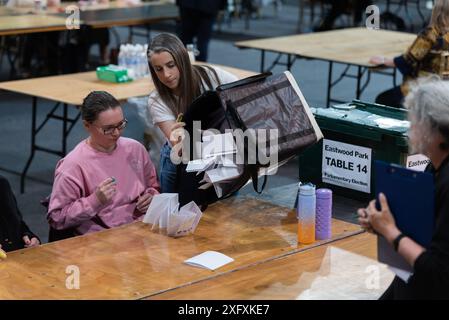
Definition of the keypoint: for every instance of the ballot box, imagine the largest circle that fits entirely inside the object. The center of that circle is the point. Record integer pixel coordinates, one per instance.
(355, 134)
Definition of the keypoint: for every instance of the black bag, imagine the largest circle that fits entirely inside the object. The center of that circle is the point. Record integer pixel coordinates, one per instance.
(262, 102)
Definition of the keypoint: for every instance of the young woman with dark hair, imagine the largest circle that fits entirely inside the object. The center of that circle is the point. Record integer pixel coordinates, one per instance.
(177, 83)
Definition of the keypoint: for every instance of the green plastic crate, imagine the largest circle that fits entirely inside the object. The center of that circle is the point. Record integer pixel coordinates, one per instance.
(349, 126)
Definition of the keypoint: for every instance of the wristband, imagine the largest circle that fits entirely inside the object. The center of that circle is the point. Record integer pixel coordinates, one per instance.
(397, 240)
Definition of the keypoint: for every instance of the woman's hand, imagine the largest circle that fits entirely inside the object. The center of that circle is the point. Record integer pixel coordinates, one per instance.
(377, 60)
(382, 221)
(144, 202)
(177, 133)
(106, 190)
(34, 242)
(363, 220)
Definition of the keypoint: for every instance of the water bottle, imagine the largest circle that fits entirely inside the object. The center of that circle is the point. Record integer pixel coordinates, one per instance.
(306, 213)
(323, 225)
(143, 64)
(126, 57)
(121, 56)
(191, 52)
(132, 62)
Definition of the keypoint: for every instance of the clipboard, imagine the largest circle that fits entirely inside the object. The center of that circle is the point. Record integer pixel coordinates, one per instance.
(411, 198)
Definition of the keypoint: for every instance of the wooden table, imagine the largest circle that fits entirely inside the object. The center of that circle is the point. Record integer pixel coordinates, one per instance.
(23, 24)
(350, 47)
(318, 273)
(70, 90)
(112, 14)
(117, 14)
(132, 262)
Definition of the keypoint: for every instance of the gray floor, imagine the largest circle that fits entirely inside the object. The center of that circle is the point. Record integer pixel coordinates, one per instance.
(15, 118)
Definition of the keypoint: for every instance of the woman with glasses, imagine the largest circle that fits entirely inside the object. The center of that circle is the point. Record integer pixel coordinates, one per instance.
(106, 180)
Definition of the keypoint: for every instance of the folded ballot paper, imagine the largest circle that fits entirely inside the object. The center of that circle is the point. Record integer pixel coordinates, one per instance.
(163, 213)
(217, 162)
(209, 260)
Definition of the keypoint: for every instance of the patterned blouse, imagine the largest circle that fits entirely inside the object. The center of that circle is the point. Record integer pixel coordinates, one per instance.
(429, 54)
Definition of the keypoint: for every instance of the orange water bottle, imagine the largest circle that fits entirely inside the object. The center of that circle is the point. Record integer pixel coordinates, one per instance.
(306, 213)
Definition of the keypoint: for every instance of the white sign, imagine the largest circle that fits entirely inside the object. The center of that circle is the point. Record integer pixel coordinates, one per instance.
(346, 165)
(417, 162)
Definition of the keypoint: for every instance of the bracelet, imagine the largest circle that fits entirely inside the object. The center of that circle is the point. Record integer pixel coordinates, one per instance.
(397, 240)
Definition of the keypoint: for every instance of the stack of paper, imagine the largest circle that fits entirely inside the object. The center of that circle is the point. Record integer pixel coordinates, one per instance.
(217, 162)
(217, 145)
(163, 213)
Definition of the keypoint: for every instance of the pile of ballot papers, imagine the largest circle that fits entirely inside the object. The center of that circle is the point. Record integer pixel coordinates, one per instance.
(217, 162)
(164, 214)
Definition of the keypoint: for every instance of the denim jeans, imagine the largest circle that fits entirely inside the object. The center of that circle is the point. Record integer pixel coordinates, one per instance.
(168, 171)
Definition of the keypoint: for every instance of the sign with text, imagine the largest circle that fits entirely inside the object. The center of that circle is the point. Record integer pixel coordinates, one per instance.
(417, 162)
(346, 165)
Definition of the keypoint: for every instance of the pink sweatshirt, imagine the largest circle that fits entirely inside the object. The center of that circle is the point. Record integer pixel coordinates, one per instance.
(73, 201)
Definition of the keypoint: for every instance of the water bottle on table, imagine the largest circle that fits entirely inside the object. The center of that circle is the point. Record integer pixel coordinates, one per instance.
(306, 213)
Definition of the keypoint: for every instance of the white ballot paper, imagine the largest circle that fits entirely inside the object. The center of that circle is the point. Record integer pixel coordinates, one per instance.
(217, 162)
(163, 213)
(209, 260)
(217, 145)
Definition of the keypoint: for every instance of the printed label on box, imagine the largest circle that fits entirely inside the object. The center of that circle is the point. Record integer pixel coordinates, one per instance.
(346, 165)
(417, 162)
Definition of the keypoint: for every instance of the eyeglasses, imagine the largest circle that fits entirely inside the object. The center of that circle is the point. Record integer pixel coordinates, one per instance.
(111, 130)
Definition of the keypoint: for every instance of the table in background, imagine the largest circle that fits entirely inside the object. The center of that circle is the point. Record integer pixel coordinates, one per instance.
(350, 47)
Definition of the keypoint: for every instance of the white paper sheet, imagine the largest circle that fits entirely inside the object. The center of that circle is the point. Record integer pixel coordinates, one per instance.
(209, 260)
(160, 203)
(221, 174)
(218, 144)
(163, 213)
(200, 164)
(402, 274)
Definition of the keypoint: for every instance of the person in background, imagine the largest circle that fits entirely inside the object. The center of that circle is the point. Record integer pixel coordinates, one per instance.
(106, 180)
(14, 232)
(177, 83)
(429, 54)
(338, 7)
(197, 20)
(428, 106)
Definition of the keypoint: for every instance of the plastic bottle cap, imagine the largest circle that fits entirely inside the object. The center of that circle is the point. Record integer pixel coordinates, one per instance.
(307, 189)
(324, 193)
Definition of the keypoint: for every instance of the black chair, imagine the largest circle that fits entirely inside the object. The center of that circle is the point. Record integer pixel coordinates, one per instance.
(54, 234)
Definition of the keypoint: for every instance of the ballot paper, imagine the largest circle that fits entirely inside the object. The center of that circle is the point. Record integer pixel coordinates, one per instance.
(221, 174)
(200, 165)
(159, 208)
(163, 213)
(219, 177)
(209, 260)
(217, 144)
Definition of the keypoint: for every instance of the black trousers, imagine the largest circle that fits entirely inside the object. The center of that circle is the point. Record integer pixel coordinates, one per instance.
(392, 98)
(196, 24)
(339, 7)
